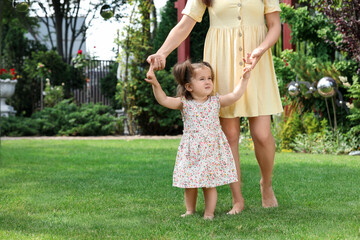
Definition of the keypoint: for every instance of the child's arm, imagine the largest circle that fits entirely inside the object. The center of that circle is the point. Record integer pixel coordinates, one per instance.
(230, 98)
(160, 95)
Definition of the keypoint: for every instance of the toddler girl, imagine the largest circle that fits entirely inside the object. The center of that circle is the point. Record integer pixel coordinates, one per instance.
(204, 159)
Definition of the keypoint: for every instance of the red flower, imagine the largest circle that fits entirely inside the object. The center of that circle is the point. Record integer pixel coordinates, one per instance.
(80, 52)
(5, 74)
(286, 64)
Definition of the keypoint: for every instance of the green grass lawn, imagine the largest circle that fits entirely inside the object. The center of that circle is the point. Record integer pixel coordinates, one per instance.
(119, 189)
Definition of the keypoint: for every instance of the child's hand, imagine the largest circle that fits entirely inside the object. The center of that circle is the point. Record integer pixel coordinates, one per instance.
(150, 76)
(246, 71)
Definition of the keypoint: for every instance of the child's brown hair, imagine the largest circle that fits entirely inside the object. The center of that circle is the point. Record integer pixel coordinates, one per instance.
(184, 72)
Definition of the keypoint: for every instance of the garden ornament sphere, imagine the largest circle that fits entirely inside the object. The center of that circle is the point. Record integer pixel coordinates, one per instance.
(106, 12)
(293, 90)
(326, 87)
(21, 6)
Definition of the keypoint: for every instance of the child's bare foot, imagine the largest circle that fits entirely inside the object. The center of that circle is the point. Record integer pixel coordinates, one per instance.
(237, 208)
(208, 217)
(188, 213)
(268, 196)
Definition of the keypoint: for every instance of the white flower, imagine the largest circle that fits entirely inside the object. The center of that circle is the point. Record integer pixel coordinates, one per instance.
(350, 105)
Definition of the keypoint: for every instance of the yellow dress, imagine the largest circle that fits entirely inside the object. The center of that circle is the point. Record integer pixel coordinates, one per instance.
(237, 27)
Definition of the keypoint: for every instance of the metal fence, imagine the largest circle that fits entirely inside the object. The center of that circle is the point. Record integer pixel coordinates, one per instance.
(91, 92)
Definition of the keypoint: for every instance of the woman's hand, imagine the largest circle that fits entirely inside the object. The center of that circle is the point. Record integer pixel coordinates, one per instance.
(274, 31)
(157, 60)
(254, 57)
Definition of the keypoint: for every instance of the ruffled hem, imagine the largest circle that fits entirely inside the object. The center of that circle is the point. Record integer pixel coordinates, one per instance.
(205, 185)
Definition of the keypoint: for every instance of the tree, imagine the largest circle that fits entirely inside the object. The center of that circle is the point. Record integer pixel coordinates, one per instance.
(345, 15)
(66, 16)
(10, 21)
(168, 19)
(136, 46)
(312, 28)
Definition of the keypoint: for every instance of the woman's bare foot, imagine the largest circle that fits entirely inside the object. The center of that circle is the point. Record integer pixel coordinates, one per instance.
(208, 217)
(237, 208)
(188, 213)
(268, 196)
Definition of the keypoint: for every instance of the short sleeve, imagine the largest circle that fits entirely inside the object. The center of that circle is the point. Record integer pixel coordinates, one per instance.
(184, 102)
(216, 99)
(194, 9)
(184, 107)
(271, 6)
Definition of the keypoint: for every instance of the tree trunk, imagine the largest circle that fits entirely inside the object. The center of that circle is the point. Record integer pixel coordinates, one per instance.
(1, 18)
(59, 17)
(154, 20)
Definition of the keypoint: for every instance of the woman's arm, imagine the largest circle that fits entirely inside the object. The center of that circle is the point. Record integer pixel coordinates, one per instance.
(230, 98)
(160, 95)
(272, 36)
(176, 36)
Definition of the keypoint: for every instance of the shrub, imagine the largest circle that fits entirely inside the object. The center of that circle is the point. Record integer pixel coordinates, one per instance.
(312, 28)
(19, 126)
(155, 119)
(354, 93)
(292, 127)
(57, 71)
(90, 120)
(328, 142)
(65, 118)
(284, 74)
(53, 95)
(108, 85)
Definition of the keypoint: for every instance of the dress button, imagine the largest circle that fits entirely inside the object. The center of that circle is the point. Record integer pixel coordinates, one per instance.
(241, 63)
(239, 17)
(240, 49)
(239, 4)
(240, 34)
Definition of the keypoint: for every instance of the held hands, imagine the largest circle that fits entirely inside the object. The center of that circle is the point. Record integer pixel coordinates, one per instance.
(150, 76)
(254, 57)
(247, 70)
(158, 60)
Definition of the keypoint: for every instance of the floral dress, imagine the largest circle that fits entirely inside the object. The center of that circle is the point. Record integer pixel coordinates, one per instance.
(236, 28)
(204, 158)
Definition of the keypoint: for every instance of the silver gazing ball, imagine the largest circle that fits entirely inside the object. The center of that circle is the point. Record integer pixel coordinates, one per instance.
(106, 12)
(293, 90)
(326, 87)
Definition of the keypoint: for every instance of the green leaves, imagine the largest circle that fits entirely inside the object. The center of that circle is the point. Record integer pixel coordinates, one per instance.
(313, 28)
(65, 118)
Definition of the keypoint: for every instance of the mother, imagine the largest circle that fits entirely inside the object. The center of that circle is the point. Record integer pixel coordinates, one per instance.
(238, 27)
